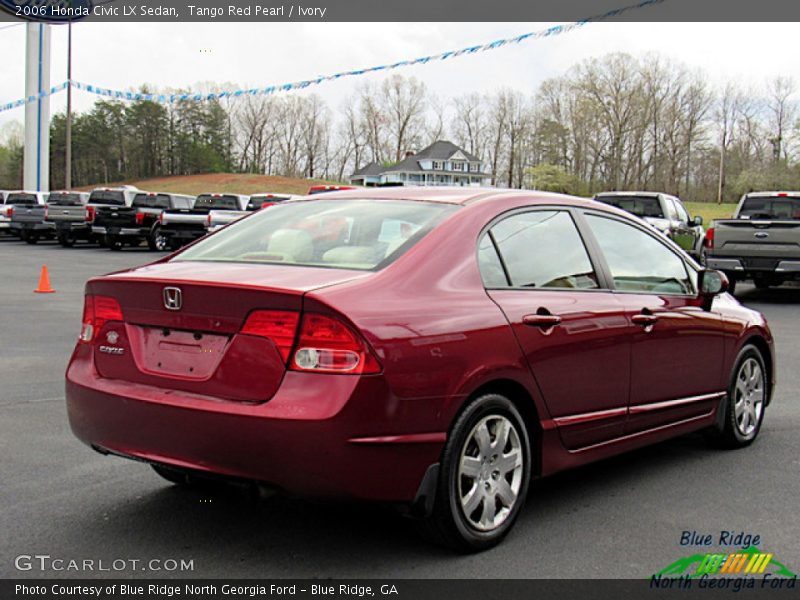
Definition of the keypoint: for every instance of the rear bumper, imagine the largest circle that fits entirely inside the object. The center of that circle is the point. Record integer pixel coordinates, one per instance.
(183, 234)
(120, 231)
(40, 227)
(737, 265)
(319, 436)
(77, 228)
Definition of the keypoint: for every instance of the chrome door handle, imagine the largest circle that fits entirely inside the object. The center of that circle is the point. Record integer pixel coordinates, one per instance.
(543, 320)
(644, 319)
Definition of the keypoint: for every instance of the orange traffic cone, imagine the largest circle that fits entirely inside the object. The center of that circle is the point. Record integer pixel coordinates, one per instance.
(44, 282)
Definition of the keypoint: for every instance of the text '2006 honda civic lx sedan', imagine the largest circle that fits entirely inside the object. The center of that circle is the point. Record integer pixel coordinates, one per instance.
(434, 349)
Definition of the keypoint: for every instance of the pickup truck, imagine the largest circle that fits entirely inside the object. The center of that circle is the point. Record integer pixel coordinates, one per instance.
(120, 225)
(761, 242)
(184, 225)
(322, 189)
(23, 203)
(665, 213)
(75, 222)
(217, 219)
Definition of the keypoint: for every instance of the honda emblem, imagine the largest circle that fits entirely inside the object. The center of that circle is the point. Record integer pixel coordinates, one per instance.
(173, 298)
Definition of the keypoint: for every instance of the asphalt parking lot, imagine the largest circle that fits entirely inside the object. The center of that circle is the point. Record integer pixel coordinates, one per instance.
(621, 518)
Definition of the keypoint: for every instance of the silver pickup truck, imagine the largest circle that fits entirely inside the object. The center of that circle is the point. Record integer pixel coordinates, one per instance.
(181, 226)
(30, 223)
(18, 212)
(217, 219)
(761, 242)
(75, 222)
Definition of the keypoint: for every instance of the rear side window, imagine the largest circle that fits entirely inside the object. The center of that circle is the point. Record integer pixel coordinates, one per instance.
(151, 201)
(23, 199)
(107, 197)
(212, 201)
(60, 199)
(540, 249)
(638, 261)
(346, 234)
(641, 206)
(770, 207)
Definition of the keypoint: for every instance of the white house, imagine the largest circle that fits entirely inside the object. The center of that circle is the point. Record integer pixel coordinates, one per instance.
(441, 163)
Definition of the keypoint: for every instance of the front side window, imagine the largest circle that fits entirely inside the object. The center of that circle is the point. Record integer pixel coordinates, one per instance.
(344, 234)
(638, 261)
(683, 216)
(542, 249)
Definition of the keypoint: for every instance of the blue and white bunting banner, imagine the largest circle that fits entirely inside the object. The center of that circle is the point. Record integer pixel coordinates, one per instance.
(299, 85)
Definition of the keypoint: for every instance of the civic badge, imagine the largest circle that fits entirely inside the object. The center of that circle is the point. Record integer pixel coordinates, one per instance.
(173, 298)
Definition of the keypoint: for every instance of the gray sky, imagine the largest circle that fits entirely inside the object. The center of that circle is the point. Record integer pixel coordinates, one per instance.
(125, 55)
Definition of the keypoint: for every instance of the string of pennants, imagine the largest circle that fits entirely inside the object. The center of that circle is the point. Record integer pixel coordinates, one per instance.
(299, 85)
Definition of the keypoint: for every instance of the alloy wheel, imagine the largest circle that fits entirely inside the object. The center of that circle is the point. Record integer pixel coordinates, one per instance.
(749, 396)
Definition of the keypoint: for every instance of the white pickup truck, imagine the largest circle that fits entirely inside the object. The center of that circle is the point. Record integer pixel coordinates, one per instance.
(217, 219)
(184, 225)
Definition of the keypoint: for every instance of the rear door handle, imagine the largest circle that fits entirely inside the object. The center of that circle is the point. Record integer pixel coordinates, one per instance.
(543, 320)
(645, 319)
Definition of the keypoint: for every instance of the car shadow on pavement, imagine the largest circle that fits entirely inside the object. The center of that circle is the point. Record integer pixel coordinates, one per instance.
(784, 294)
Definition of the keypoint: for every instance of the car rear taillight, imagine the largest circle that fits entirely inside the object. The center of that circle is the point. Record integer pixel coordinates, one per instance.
(208, 220)
(46, 211)
(709, 241)
(161, 218)
(279, 326)
(97, 311)
(90, 214)
(140, 218)
(267, 204)
(10, 212)
(325, 344)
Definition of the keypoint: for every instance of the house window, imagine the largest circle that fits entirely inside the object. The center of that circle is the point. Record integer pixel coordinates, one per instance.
(458, 165)
(437, 165)
(475, 167)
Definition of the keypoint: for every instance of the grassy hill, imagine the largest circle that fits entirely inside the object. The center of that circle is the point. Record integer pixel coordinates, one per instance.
(219, 183)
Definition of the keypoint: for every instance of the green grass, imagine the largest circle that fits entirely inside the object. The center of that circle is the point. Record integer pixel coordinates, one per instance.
(710, 211)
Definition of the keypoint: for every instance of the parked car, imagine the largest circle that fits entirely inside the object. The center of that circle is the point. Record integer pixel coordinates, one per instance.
(5, 220)
(664, 212)
(761, 242)
(217, 219)
(322, 189)
(74, 222)
(181, 226)
(406, 349)
(120, 225)
(23, 212)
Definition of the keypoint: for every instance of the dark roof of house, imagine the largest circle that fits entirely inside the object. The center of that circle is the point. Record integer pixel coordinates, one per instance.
(372, 169)
(442, 150)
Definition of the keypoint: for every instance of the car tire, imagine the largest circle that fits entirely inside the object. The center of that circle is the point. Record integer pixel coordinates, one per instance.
(746, 401)
(156, 241)
(174, 244)
(113, 242)
(30, 238)
(67, 241)
(481, 486)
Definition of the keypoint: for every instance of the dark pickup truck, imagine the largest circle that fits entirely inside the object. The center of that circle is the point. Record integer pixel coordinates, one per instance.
(761, 242)
(75, 222)
(120, 225)
(182, 226)
(26, 216)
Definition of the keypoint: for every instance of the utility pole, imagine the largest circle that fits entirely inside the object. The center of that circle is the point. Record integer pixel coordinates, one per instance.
(68, 131)
(36, 170)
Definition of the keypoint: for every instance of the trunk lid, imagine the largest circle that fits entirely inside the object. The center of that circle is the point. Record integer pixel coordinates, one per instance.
(198, 347)
(757, 238)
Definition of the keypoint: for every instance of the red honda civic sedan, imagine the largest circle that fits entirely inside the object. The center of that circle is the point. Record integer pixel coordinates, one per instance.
(430, 348)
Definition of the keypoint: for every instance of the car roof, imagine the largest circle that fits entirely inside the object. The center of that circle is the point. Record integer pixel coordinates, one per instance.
(632, 193)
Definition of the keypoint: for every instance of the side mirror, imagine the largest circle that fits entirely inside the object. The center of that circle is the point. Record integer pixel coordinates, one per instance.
(712, 283)
(698, 220)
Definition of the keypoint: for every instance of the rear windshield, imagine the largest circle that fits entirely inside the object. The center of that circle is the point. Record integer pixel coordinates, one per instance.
(345, 234)
(256, 201)
(770, 207)
(151, 201)
(64, 199)
(215, 201)
(107, 197)
(641, 206)
(27, 199)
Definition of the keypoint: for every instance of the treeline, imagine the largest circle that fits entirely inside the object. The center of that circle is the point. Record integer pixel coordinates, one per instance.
(615, 122)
